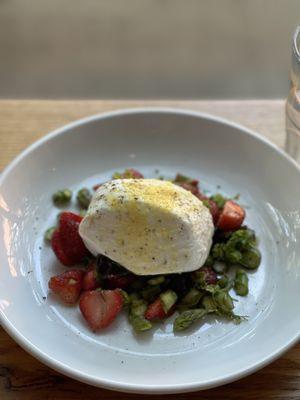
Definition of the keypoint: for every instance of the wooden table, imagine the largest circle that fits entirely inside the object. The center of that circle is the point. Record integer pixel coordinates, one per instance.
(22, 376)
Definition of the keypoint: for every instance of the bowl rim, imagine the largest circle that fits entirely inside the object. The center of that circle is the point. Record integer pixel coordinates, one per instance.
(114, 384)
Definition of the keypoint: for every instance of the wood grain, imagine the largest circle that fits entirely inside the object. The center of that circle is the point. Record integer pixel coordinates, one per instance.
(23, 122)
(23, 377)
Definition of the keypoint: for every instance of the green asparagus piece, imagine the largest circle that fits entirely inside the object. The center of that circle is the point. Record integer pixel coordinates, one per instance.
(187, 318)
(139, 324)
(126, 298)
(150, 293)
(209, 304)
(138, 307)
(157, 280)
(192, 297)
(168, 299)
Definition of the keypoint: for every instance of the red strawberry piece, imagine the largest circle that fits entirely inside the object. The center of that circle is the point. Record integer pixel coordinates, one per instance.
(67, 285)
(66, 242)
(134, 173)
(231, 217)
(155, 310)
(100, 307)
(119, 281)
(190, 186)
(209, 275)
(202, 196)
(195, 182)
(213, 208)
(58, 249)
(90, 281)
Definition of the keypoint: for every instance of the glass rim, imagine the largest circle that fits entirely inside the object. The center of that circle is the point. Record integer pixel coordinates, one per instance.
(296, 46)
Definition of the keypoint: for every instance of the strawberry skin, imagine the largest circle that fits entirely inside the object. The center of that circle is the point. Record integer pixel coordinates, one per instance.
(67, 285)
(213, 208)
(231, 217)
(90, 281)
(119, 281)
(57, 247)
(66, 242)
(135, 174)
(100, 307)
(155, 311)
(191, 187)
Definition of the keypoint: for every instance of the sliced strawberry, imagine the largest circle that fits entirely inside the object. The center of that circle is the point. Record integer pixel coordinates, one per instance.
(213, 208)
(190, 186)
(129, 173)
(100, 307)
(58, 249)
(66, 242)
(90, 281)
(155, 310)
(134, 173)
(67, 285)
(119, 281)
(231, 217)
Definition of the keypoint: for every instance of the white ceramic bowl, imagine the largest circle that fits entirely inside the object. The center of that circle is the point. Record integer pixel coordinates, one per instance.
(209, 148)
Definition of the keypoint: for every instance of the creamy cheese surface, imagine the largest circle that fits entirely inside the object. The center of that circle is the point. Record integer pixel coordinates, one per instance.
(149, 226)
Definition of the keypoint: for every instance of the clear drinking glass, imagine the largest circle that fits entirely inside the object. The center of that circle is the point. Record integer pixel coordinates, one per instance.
(292, 144)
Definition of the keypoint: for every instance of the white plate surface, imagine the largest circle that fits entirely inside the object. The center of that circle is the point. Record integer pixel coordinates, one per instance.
(219, 154)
